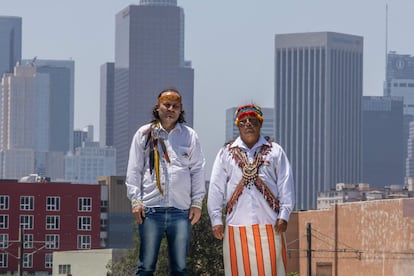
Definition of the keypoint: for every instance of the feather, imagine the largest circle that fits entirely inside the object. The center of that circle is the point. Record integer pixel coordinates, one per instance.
(164, 150)
(157, 169)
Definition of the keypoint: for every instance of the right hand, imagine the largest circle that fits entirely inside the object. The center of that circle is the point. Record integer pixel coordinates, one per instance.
(218, 231)
(139, 213)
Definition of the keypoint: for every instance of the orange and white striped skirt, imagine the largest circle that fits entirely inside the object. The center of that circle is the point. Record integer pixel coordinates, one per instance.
(255, 250)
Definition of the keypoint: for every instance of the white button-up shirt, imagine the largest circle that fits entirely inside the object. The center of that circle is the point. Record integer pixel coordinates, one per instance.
(251, 207)
(182, 180)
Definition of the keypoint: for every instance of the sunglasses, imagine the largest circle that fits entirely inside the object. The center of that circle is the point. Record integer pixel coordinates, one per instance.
(253, 121)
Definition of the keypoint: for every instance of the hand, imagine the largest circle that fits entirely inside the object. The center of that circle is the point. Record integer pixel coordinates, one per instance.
(281, 226)
(194, 215)
(139, 213)
(218, 231)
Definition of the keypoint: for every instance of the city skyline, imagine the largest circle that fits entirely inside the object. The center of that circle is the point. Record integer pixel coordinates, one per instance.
(231, 46)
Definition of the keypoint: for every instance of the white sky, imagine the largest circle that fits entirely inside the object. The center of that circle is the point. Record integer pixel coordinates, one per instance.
(230, 44)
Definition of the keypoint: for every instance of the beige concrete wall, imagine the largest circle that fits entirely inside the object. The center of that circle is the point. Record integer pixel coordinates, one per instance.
(362, 238)
(86, 262)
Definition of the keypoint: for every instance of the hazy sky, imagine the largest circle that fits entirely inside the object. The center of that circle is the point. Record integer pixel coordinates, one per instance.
(230, 44)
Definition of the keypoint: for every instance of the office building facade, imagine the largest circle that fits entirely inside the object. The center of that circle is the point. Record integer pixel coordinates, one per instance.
(149, 57)
(37, 118)
(318, 95)
(106, 110)
(383, 147)
(10, 43)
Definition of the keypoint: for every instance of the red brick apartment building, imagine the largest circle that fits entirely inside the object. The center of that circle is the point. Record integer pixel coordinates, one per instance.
(54, 217)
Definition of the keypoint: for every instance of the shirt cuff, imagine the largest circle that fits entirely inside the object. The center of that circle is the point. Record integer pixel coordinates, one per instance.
(197, 204)
(136, 202)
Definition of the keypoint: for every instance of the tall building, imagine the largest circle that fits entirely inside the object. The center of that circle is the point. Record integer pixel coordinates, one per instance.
(399, 82)
(36, 118)
(383, 147)
(10, 43)
(106, 112)
(268, 127)
(62, 97)
(149, 57)
(318, 94)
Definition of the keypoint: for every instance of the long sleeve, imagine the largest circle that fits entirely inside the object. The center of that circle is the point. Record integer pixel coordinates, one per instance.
(216, 191)
(197, 162)
(285, 186)
(135, 169)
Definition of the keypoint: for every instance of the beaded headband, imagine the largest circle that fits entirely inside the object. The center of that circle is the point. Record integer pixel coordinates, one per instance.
(248, 110)
(169, 96)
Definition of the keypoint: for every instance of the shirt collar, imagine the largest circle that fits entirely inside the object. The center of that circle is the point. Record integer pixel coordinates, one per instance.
(239, 143)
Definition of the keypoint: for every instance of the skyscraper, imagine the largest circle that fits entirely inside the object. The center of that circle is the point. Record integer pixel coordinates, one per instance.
(106, 112)
(37, 118)
(10, 43)
(383, 147)
(318, 94)
(62, 96)
(149, 57)
(399, 82)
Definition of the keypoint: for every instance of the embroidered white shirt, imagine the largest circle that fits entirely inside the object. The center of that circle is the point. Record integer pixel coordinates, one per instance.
(251, 207)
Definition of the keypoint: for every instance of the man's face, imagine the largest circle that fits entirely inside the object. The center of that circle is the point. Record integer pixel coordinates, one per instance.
(249, 128)
(169, 109)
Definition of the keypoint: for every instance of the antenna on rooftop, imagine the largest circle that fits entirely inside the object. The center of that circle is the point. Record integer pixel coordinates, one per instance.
(32, 63)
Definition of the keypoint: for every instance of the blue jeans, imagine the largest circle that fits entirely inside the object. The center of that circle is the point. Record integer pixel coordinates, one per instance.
(176, 225)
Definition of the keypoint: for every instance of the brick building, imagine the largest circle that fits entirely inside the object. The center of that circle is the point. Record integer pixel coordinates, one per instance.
(52, 217)
(360, 238)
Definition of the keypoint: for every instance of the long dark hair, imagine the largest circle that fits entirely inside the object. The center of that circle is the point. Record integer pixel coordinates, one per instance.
(156, 116)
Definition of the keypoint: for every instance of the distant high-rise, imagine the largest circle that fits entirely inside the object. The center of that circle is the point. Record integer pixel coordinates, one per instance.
(106, 112)
(399, 82)
(10, 43)
(318, 94)
(268, 127)
(62, 96)
(37, 118)
(383, 147)
(149, 57)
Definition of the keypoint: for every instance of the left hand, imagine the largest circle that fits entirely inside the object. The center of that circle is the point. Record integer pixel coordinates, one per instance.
(281, 226)
(194, 215)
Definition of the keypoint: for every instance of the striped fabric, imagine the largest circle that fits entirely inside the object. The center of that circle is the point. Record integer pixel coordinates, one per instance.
(254, 250)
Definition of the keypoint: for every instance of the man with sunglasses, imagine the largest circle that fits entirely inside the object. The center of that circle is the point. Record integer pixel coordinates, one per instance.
(253, 176)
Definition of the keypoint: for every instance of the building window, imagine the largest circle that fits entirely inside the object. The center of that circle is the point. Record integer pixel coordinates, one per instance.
(27, 260)
(84, 242)
(84, 223)
(4, 260)
(104, 206)
(48, 260)
(53, 203)
(84, 204)
(28, 240)
(52, 222)
(4, 240)
(4, 221)
(27, 203)
(4, 202)
(52, 241)
(26, 221)
(64, 269)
